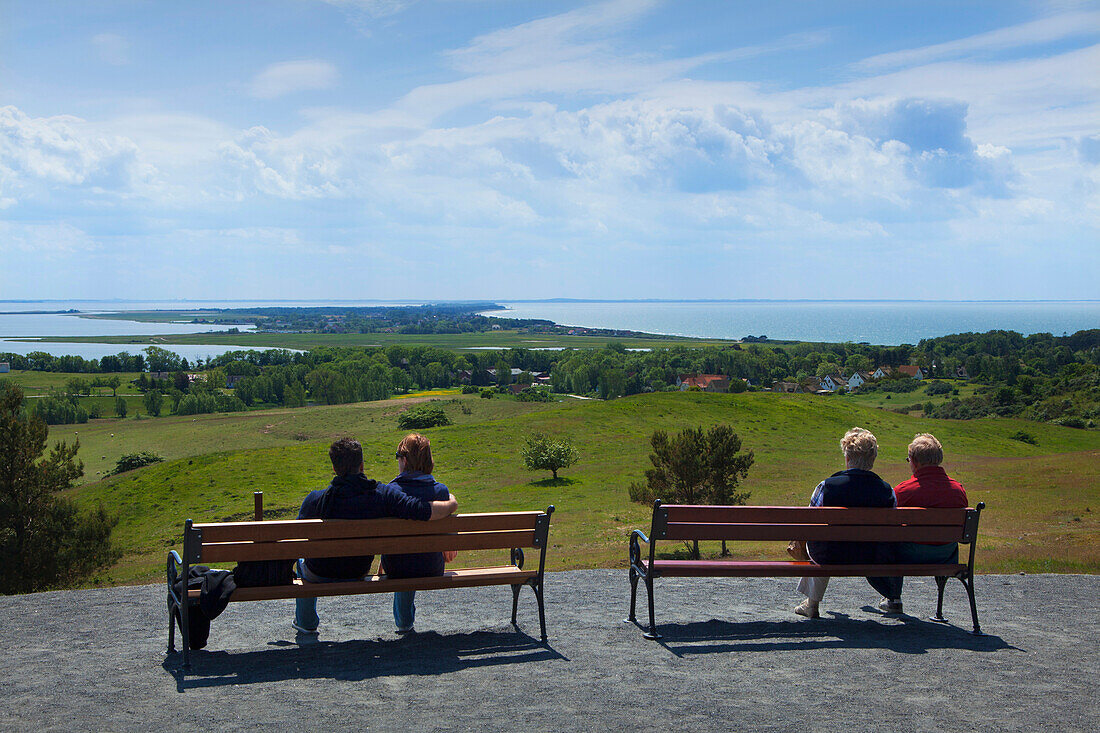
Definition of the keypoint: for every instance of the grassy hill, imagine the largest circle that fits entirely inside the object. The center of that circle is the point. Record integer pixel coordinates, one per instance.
(1043, 500)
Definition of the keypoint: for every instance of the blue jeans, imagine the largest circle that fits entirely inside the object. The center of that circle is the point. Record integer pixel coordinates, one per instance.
(404, 610)
(305, 609)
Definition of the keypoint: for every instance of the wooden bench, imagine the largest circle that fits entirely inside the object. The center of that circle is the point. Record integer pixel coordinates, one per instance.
(228, 542)
(840, 524)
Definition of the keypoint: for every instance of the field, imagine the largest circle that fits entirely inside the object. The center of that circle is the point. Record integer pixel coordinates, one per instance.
(503, 339)
(895, 400)
(1043, 500)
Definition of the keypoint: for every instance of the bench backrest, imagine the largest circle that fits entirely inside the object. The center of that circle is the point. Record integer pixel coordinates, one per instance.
(290, 539)
(854, 524)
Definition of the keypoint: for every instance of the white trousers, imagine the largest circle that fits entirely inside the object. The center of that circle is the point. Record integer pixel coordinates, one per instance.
(813, 588)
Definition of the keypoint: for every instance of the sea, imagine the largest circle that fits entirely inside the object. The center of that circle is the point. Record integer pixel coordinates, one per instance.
(878, 322)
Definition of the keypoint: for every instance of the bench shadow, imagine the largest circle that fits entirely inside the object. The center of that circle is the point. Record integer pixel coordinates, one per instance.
(428, 653)
(833, 631)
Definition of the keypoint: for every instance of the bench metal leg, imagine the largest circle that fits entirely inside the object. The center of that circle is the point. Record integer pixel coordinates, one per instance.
(652, 633)
(171, 628)
(542, 610)
(515, 601)
(633, 595)
(969, 583)
(941, 582)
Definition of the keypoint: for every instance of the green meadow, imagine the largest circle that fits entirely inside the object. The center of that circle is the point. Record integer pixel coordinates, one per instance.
(1042, 500)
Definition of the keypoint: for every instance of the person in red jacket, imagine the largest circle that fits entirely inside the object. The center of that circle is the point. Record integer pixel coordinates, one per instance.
(930, 486)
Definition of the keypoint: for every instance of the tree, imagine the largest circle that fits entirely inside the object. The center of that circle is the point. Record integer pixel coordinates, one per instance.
(44, 542)
(114, 382)
(153, 402)
(120, 407)
(543, 453)
(696, 466)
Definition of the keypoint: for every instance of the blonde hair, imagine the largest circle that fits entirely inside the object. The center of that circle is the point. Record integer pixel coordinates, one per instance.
(925, 450)
(417, 452)
(860, 448)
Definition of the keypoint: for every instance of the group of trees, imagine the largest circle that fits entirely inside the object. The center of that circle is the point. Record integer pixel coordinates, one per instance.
(40, 361)
(1041, 377)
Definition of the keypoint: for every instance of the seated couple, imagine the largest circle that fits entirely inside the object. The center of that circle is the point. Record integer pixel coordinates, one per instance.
(413, 494)
(858, 485)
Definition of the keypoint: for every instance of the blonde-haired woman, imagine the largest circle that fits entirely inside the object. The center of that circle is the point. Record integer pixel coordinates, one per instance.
(414, 477)
(856, 485)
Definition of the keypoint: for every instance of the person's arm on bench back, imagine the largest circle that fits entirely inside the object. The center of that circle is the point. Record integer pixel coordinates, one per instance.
(442, 509)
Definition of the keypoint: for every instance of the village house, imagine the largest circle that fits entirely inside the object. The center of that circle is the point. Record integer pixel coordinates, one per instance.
(912, 370)
(881, 373)
(858, 379)
(705, 382)
(833, 382)
(812, 385)
(5, 367)
(787, 387)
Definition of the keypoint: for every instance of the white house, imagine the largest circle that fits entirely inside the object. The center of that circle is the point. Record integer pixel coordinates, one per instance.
(833, 382)
(881, 373)
(858, 379)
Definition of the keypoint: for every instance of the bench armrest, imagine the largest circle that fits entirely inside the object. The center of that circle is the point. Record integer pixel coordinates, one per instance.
(172, 570)
(636, 538)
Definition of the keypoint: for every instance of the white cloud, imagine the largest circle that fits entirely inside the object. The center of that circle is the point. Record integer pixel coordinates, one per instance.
(40, 155)
(293, 76)
(112, 48)
(1036, 32)
(551, 40)
(52, 239)
(373, 8)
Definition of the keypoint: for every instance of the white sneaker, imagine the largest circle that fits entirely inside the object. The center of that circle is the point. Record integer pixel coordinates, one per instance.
(887, 605)
(808, 609)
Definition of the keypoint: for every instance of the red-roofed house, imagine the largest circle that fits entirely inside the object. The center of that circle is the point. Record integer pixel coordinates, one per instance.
(911, 370)
(705, 382)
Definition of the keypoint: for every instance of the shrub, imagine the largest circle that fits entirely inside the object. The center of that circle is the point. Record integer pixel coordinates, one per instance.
(937, 387)
(487, 393)
(422, 416)
(543, 453)
(469, 389)
(1023, 437)
(1070, 422)
(130, 461)
(533, 394)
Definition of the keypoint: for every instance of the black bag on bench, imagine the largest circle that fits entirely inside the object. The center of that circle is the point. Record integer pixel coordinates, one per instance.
(254, 573)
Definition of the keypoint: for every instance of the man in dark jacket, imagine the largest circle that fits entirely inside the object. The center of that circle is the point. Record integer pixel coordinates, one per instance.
(857, 485)
(351, 495)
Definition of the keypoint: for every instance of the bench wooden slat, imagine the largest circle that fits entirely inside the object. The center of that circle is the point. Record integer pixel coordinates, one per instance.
(292, 549)
(814, 532)
(812, 515)
(332, 529)
(793, 569)
(461, 578)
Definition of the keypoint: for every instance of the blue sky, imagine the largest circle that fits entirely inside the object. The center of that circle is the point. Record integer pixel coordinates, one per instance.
(459, 149)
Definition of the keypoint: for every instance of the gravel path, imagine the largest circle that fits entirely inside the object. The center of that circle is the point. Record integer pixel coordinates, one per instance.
(733, 658)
